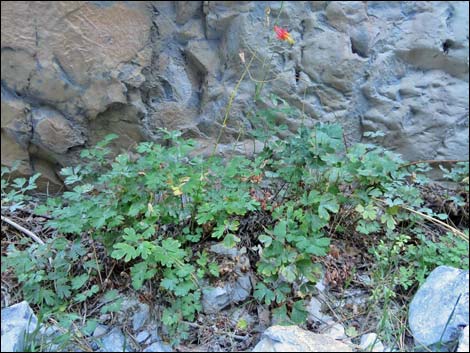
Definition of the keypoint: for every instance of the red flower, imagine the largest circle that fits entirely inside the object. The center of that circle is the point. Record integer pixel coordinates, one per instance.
(283, 34)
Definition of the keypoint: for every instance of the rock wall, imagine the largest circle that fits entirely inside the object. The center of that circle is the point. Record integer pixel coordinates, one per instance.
(75, 71)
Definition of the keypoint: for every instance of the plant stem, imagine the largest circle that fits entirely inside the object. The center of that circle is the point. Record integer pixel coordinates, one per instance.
(229, 105)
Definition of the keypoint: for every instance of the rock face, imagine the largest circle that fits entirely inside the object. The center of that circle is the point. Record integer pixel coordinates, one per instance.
(440, 307)
(73, 72)
(295, 339)
(17, 320)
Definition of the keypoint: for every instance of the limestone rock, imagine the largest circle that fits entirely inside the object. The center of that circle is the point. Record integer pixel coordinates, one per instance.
(370, 343)
(16, 118)
(315, 314)
(341, 69)
(133, 67)
(17, 320)
(336, 331)
(158, 347)
(215, 299)
(142, 336)
(295, 339)
(446, 290)
(114, 341)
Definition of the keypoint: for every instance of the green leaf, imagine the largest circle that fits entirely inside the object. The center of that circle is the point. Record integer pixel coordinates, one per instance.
(62, 288)
(124, 250)
(139, 273)
(289, 273)
(169, 283)
(262, 292)
(280, 230)
(265, 239)
(111, 295)
(214, 269)
(299, 313)
(79, 281)
(231, 240)
(280, 315)
(388, 220)
(183, 288)
(90, 326)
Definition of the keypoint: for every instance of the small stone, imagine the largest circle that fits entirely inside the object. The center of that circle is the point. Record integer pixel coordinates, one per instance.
(104, 317)
(463, 342)
(215, 299)
(241, 319)
(49, 331)
(336, 331)
(142, 336)
(100, 330)
(364, 278)
(153, 329)
(115, 341)
(370, 343)
(158, 347)
(314, 312)
(221, 249)
(140, 317)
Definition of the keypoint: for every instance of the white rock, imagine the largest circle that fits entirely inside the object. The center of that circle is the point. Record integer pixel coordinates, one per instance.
(295, 339)
(158, 347)
(463, 342)
(100, 330)
(370, 343)
(335, 331)
(314, 312)
(142, 336)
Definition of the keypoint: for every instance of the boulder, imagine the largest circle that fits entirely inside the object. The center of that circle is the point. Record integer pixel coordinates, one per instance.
(18, 320)
(440, 306)
(133, 67)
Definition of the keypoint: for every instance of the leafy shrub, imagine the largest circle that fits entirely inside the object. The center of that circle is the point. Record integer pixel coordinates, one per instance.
(15, 192)
(150, 208)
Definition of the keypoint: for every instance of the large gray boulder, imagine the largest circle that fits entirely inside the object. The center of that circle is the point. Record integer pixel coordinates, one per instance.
(440, 307)
(295, 339)
(17, 322)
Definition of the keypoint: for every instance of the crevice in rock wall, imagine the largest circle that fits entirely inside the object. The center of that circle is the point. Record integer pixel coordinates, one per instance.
(447, 45)
(356, 49)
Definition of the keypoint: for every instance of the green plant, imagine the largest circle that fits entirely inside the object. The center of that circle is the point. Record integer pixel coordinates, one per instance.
(151, 210)
(15, 192)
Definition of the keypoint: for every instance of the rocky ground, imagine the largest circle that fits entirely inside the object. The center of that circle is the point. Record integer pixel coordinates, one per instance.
(341, 314)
